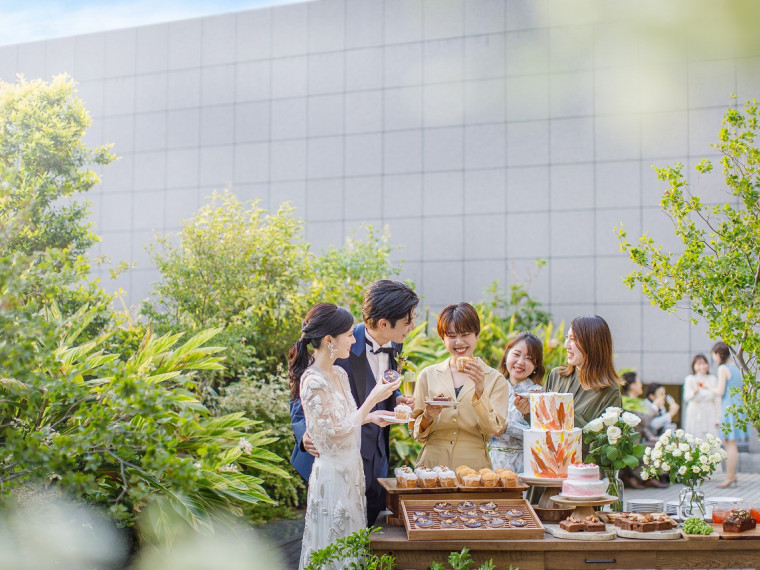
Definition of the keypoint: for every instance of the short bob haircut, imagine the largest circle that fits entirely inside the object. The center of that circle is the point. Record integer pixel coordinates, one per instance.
(461, 318)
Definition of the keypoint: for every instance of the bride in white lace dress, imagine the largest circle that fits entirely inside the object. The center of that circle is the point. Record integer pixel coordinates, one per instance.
(335, 505)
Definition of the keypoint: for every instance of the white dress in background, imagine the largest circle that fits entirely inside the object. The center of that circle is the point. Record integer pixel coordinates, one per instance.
(703, 413)
(336, 505)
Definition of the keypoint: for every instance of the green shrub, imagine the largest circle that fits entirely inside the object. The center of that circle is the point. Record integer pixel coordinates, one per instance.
(267, 402)
(239, 267)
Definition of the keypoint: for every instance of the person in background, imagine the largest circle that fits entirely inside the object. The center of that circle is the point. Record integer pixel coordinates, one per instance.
(729, 377)
(704, 407)
(523, 366)
(457, 434)
(662, 410)
(633, 389)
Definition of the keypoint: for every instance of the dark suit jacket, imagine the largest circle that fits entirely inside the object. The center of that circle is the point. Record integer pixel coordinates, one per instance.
(375, 440)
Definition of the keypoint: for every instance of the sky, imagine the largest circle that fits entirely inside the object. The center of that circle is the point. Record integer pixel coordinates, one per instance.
(24, 21)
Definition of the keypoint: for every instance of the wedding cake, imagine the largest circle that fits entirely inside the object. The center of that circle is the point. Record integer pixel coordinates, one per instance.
(583, 481)
(552, 443)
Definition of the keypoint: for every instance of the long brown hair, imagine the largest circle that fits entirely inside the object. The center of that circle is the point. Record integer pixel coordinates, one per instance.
(535, 351)
(594, 341)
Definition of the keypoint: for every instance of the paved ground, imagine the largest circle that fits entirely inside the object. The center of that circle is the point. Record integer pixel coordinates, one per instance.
(285, 535)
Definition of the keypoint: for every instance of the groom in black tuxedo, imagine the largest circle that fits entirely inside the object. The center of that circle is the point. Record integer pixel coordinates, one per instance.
(388, 315)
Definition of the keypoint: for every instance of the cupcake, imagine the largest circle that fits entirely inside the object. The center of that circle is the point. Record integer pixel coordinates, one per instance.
(489, 479)
(403, 412)
(427, 478)
(508, 478)
(471, 480)
(447, 478)
(406, 480)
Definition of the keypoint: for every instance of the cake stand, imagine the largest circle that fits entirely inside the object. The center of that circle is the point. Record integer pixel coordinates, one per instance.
(583, 508)
(548, 485)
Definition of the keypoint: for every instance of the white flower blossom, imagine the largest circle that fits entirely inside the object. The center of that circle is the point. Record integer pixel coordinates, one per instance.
(657, 453)
(667, 433)
(681, 470)
(676, 453)
(631, 419)
(595, 425)
(614, 433)
(656, 464)
(245, 445)
(666, 467)
(610, 418)
(705, 448)
(684, 446)
(645, 475)
(696, 469)
(687, 456)
(229, 468)
(648, 451)
(614, 410)
(645, 459)
(680, 433)
(689, 438)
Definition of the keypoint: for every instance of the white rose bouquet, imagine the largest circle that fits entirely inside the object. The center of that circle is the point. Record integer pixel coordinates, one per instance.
(685, 458)
(612, 441)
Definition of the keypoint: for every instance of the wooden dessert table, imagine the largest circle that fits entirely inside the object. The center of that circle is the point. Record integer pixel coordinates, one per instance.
(551, 552)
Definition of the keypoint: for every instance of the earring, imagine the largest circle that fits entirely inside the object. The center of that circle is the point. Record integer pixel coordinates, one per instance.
(332, 349)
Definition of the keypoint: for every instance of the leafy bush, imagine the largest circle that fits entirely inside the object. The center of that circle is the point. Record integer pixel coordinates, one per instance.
(250, 272)
(352, 551)
(268, 403)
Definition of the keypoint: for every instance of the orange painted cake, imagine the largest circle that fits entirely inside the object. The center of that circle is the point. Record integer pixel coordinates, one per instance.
(552, 443)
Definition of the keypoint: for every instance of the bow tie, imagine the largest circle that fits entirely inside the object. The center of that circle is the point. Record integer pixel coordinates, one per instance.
(386, 349)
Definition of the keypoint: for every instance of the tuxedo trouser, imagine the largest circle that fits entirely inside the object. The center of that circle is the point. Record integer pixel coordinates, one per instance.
(374, 467)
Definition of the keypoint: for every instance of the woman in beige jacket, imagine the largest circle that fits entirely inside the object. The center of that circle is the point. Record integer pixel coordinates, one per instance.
(458, 432)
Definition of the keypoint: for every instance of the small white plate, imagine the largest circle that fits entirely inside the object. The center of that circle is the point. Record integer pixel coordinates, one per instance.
(441, 403)
(392, 419)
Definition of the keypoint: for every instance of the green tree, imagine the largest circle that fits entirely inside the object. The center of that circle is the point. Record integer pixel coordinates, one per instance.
(44, 158)
(240, 267)
(718, 271)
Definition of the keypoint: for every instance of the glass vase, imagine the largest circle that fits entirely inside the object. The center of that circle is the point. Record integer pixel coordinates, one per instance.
(691, 500)
(614, 489)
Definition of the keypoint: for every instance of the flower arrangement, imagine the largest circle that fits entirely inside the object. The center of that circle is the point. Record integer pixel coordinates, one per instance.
(612, 441)
(685, 458)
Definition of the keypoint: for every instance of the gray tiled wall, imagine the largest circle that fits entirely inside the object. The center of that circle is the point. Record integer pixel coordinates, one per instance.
(484, 133)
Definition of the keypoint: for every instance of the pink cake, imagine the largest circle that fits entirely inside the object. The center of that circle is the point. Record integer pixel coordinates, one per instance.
(583, 481)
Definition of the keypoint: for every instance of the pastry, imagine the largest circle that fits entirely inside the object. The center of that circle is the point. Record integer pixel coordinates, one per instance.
(442, 506)
(427, 478)
(518, 522)
(466, 471)
(466, 506)
(472, 513)
(448, 515)
(489, 506)
(424, 522)
(403, 412)
(449, 523)
(390, 376)
(471, 480)
(514, 513)
(496, 522)
(571, 524)
(508, 478)
(461, 361)
(593, 524)
(473, 523)
(489, 479)
(739, 521)
(447, 478)
(491, 514)
(406, 480)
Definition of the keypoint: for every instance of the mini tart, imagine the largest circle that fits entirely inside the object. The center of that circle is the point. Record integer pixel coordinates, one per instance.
(443, 507)
(449, 523)
(424, 522)
(472, 513)
(448, 515)
(466, 505)
(513, 513)
(473, 523)
(491, 514)
(496, 522)
(419, 514)
(489, 506)
(518, 522)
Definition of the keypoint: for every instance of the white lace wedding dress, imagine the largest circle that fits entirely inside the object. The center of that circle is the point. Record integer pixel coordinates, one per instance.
(336, 505)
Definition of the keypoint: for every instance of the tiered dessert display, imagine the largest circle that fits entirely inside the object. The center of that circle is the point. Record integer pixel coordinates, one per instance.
(550, 446)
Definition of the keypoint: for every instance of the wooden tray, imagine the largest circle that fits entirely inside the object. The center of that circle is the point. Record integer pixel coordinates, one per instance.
(520, 487)
(700, 537)
(753, 534)
(390, 485)
(607, 534)
(672, 534)
(534, 528)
